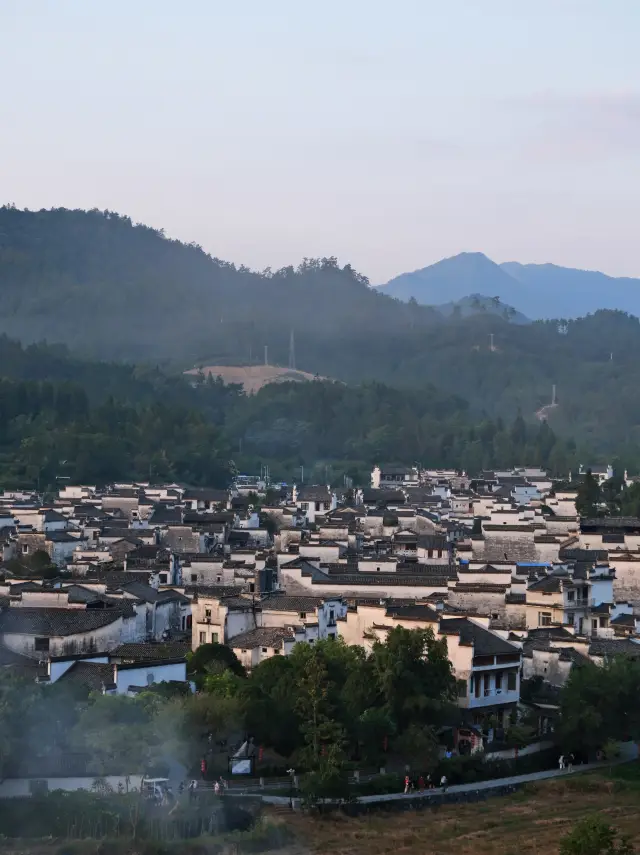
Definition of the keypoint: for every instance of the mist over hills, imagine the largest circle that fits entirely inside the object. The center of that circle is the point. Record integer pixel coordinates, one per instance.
(112, 290)
(539, 291)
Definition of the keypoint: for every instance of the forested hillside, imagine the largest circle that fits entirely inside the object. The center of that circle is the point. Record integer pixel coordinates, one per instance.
(112, 290)
(98, 422)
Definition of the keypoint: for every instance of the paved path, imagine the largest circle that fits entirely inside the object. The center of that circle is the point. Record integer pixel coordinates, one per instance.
(628, 752)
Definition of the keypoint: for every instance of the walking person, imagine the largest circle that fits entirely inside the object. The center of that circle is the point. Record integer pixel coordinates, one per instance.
(570, 759)
(444, 783)
(407, 783)
(421, 784)
(561, 762)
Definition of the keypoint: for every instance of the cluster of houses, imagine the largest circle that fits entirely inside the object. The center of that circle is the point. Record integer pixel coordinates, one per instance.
(501, 566)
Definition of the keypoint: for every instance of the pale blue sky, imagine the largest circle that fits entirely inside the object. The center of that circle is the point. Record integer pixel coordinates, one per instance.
(390, 133)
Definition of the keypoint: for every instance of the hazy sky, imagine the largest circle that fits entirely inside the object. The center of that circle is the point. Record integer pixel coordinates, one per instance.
(390, 133)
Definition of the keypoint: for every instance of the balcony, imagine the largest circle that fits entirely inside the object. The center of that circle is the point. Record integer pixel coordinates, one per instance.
(490, 698)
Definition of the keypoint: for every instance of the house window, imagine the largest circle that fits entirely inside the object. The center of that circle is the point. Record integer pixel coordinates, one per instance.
(477, 686)
(544, 618)
(512, 678)
(265, 649)
(194, 577)
(462, 688)
(252, 587)
(42, 644)
(163, 578)
(276, 652)
(25, 548)
(218, 578)
(203, 638)
(594, 623)
(430, 553)
(214, 637)
(317, 506)
(303, 615)
(498, 679)
(571, 618)
(207, 613)
(571, 595)
(603, 622)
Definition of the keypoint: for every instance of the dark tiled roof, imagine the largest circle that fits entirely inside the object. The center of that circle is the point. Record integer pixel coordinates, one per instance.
(49, 622)
(413, 612)
(624, 620)
(280, 603)
(264, 636)
(485, 643)
(133, 652)
(549, 584)
(613, 647)
(93, 675)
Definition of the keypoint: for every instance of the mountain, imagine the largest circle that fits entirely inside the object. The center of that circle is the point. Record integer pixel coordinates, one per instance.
(476, 304)
(539, 291)
(549, 291)
(454, 278)
(112, 290)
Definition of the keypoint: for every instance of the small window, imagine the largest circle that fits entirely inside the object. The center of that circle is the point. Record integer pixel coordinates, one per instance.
(303, 615)
(594, 623)
(203, 638)
(243, 651)
(276, 652)
(163, 578)
(544, 618)
(218, 578)
(252, 587)
(194, 577)
(42, 644)
(498, 679)
(603, 622)
(25, 548)
(571, 618)
(207, 613)
(214, 638)
(462, 688)
(512, 678)
(430, 553)
(265, 649)
(571, 596)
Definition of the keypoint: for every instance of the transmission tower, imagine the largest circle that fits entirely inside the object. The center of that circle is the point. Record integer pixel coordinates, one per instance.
(292, 352)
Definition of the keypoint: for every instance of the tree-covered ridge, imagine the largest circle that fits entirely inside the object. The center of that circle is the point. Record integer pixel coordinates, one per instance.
(114, 290)
(98, 422)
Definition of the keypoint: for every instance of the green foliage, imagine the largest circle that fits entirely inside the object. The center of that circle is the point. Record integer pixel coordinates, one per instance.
(588, 498)
(599, 704)
(594, 836)
(160, 300)
(213, 659)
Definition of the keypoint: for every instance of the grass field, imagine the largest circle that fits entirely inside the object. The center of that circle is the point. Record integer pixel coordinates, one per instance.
(531, 821)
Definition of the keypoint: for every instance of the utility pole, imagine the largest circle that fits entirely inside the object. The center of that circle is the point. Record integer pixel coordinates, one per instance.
(553, 395)
(266, 354)
(491, 345)
(292, 352)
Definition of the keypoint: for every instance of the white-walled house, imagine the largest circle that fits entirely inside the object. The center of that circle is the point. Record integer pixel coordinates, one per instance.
(100, 673)
(314, 501)
(41, 632)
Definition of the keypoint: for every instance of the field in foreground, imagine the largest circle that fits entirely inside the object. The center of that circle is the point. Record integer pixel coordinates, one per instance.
(531, 821)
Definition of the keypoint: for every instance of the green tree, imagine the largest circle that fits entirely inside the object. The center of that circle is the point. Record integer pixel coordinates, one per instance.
(594, 836)
(588, 498)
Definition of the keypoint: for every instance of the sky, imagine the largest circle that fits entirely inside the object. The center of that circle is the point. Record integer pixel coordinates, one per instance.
(389, 133)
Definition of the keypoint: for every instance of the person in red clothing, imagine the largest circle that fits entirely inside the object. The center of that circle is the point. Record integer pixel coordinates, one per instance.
(421, 784)
(407, 783)
(203, 768)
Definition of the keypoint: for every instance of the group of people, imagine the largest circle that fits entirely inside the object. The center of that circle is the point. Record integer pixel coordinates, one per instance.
(566, 762)
(423, 784)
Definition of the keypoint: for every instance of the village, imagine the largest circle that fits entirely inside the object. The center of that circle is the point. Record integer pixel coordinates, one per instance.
(113, 589)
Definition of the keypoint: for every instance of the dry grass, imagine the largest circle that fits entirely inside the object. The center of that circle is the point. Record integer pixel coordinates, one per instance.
(253, 377)
(528, 823)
